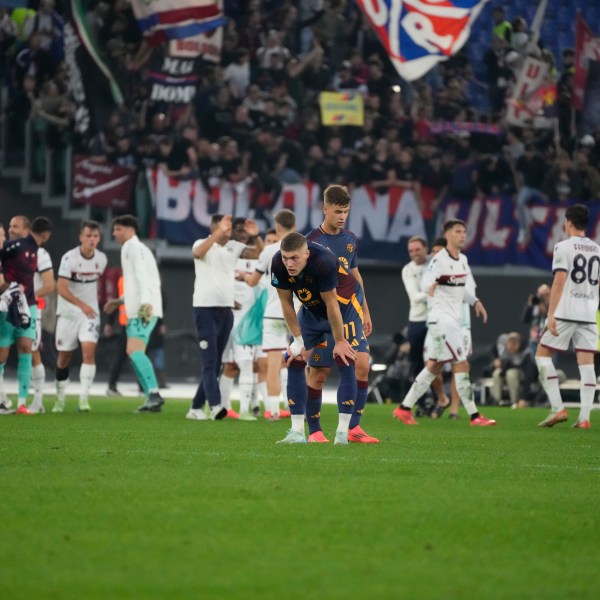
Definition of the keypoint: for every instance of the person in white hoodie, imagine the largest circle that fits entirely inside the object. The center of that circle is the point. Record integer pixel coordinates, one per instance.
(143, 304)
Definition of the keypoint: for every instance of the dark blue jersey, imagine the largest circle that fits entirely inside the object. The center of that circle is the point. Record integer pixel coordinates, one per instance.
(342, 244)
(19, 263)
(323, 272)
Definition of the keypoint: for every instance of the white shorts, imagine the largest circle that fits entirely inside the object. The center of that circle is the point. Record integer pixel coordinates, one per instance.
(70, 331)
(35, 346)
(235, 353)
(275, 335)
(583, 335)
(446, 342)
(467, 343)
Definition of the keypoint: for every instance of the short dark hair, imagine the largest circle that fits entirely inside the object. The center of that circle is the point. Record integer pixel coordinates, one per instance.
(127, 221)
(270, 231)
(286, 218)
(89, 224)
(41, 225)
(337, 195)
(292, 241)
(450, 223)
(439, 241)
(216, 219)
(579, 215)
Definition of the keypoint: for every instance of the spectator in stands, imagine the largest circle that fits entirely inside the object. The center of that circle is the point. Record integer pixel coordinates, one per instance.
(511, 367)
(562, 182)
(499, 73)
(435, 180)
(495, 177)
(272, 47)
(502, 28)
(379, 84)
(33, 60)
(254, 103)
(589, 178)
(218, 118)
(237, 74)
(530, 172)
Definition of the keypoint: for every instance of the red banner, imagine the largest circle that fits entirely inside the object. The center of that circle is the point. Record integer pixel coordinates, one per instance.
(587, 47)
(102, 184)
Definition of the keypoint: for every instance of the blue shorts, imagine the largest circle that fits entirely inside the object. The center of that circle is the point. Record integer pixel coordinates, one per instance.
(317, 331)
(136, 328)
(9, 333)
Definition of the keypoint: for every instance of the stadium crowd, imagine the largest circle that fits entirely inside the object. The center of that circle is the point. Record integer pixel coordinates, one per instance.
(255, 115)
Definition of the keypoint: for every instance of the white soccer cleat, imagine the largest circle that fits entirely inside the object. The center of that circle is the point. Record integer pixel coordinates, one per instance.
(293, 437)
(196, 414)
(84, 406)
(37, 409)
(247, 417)
(341, 438)
(59, 406)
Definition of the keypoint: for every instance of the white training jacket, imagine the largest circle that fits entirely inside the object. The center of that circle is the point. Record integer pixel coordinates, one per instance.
(141, 279)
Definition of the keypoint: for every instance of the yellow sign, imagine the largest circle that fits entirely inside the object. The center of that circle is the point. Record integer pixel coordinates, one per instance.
(339, 108)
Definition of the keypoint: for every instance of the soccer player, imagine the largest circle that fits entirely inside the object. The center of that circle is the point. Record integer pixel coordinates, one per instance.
(19, 259)
(331, 300)
(240, 357)
(143, 304)
(572, 316)
(43, 285)
(412, 274)
(448, 271)
(275, 332)
(343, 243)
(78, 312)
(215, 259)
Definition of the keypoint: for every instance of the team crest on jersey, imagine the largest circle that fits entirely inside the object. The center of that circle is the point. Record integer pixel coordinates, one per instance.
(304, 295)
(350, 247)
(344, 261)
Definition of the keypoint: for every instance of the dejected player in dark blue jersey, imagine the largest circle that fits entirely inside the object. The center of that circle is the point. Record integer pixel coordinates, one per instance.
(343, 243)
(331, 300)
(19, 263)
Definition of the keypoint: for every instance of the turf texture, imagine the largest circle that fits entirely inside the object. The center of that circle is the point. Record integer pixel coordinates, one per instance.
(112, 504)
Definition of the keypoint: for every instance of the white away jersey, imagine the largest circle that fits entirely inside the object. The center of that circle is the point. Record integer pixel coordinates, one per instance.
(273, 309)
(451, 275)
(44, 263)
(243, 294)
(83, 274)
(580, 258)
(215, 274)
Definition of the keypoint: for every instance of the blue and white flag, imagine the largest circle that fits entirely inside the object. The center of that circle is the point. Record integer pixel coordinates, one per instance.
(162, 20)
(417, 34)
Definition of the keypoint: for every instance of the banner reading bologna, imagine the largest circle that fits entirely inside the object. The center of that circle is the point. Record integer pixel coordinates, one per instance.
(382, 222)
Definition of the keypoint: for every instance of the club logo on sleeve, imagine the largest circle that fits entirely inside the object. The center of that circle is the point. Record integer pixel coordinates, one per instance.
(274, 280)
(350, 247)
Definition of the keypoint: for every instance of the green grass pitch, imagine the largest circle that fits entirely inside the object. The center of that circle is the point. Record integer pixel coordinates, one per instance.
(119, 505)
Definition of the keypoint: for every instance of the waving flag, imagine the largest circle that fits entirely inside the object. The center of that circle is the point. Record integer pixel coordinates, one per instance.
(418, 34)
(162, 20)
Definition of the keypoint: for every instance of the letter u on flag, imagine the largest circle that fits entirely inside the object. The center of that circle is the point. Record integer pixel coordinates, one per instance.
(162, 20)
(417, 34)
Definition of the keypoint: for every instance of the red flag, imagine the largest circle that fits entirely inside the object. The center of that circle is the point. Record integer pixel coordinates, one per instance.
(587, 47)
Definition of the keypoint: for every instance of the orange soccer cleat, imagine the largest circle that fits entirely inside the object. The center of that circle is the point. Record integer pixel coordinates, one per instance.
(358, 436)
(553, 418)
(318, 438)
(405, 415)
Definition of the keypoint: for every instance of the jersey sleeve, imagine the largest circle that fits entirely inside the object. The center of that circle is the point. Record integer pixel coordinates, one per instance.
(279, 274)
(44, 262)
(264, 261)
(64, 269)
(560, 259)
(238, 247)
